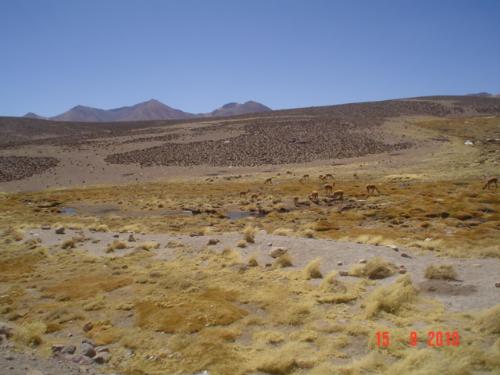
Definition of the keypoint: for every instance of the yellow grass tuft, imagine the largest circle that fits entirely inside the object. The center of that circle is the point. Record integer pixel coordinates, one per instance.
(441, 272)
(312, 270)
(249, 234)
(392, 298)
(149, 245)
(489, 320)
(30, 334)
(283, 261)
(376, 268)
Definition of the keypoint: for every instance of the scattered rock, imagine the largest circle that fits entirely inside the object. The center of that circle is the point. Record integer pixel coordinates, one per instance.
(116, 235)
(213, 241)
(393, 247)
(88, 350)
(340, 263)
(276, 252)
(362, 261)
(343, 273)
(404, 255)
(88, 326)
(81, 360)
(70, 349)
(5, 331)
(131, 237)
(102, 357)
(497, 285)
(60, 230)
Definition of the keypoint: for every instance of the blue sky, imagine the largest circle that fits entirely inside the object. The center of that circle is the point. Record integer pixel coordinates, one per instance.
(198, 55)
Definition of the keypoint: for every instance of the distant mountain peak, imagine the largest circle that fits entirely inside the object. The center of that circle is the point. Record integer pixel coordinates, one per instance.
(34, 115)
(151, 109)
(234, 109)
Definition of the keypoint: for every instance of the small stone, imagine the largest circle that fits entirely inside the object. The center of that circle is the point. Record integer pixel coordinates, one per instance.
(393, 247)
(344, 273)
(57, 348)
(70, 349)
(116, 235)
(102, 358)
(9, 357)
(131, 237)
(362, 261)
(404, 255)
(87, 341)
(6, 331)
(88, 326)
(60, 230)
(213, 241)
(340, 263)
(45, 227)
(268, 265)
(497, 285)
(81, 360)
(88, 350)
(270, 244)
(276, 252)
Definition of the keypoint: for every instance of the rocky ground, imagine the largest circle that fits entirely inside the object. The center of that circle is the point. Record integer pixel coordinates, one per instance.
(19, 167)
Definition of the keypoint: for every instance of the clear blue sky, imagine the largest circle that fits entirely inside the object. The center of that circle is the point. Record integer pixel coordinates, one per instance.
(198, 55)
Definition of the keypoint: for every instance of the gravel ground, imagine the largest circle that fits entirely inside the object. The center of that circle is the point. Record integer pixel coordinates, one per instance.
(475, 288)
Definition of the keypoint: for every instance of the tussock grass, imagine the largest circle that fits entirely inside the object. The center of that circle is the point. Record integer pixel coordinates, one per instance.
(375, 268)
(30, 334)
(70, 243)
(149, 245)
(392, 298)
(249, 234)
(283, 261)
(489, 320)
(312, 270)
(441, 272)
(119, 245)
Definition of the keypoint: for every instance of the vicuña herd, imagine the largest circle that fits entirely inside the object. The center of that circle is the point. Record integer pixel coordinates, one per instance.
(371, 189)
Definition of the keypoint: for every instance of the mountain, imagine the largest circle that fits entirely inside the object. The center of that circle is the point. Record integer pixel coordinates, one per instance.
(233, 109)
(34, 115)
(485, 94)
(150, 110)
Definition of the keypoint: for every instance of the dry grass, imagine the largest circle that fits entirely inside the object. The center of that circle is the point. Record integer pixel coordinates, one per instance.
(489, 320)
(391, 299)
(249, 234)
(375, 268)
(441, 272)
(312, 270)
(30, 334)
(283, 261)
